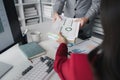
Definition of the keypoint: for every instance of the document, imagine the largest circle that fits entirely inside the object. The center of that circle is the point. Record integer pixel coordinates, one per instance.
(86, 46)
(67, 26)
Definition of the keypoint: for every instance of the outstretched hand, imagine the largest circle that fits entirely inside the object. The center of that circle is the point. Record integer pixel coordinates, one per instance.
(56, 16)
(82, 21)
(61, 39)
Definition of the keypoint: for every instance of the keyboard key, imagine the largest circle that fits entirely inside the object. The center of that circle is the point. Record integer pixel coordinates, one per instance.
(40, 71)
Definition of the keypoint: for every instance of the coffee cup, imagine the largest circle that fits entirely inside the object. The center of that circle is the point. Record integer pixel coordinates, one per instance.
(35, 36)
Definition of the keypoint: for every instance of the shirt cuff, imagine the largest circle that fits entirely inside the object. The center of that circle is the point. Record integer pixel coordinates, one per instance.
(62, 50)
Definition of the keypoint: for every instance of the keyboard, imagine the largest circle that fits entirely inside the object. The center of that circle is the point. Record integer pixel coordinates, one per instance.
(42, 70)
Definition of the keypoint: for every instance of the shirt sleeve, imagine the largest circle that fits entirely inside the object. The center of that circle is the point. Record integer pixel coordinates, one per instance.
(61, 57)
(58, 6)
(93, 10)
(76, 67)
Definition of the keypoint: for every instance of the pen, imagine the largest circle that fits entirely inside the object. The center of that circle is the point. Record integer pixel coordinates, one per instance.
(25, 32)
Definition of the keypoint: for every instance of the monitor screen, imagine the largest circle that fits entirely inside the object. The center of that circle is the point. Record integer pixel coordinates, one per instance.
(10, 32)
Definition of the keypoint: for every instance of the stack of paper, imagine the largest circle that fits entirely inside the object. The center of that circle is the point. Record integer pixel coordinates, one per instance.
(31, 15)
(67, 26)
(32, 21)
(47, 11)
(31, 11)
(28, 1)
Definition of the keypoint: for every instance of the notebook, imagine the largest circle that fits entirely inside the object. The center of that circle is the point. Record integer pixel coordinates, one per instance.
(4, 68)
(32, 50)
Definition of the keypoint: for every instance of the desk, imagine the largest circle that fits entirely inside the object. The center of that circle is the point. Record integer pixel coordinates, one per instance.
(42, 27)
(15, 56)
(49, 45)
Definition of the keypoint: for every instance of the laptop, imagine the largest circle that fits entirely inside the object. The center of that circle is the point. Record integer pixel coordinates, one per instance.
(4, 68)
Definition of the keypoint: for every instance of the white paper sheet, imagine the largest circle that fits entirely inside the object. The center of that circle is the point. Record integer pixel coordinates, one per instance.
(86, 46)
(67, 26)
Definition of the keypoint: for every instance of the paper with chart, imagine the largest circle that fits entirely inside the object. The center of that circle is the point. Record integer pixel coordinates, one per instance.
(67, 26)
(86, 46)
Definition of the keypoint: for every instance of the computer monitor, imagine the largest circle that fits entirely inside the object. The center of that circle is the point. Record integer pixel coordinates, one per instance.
(10, 32)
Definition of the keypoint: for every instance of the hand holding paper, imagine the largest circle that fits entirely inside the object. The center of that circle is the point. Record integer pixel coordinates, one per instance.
(67, 26)
(82, 21)
(61, 39)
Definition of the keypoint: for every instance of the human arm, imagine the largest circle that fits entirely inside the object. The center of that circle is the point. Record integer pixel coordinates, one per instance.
(82, 21)
(91, 13)
(57, 9)
(61, 55)
(60, 58)
(93, 10)
(78, 63)
(58, 6)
